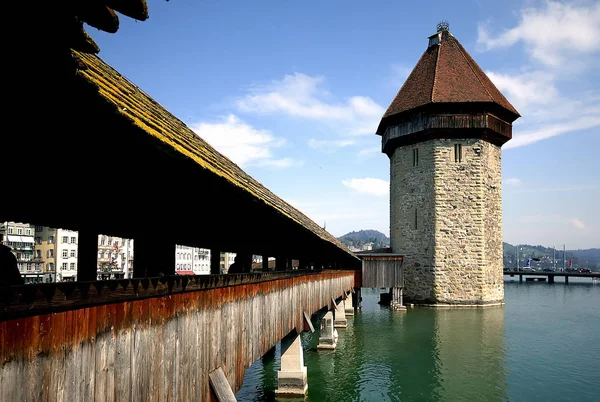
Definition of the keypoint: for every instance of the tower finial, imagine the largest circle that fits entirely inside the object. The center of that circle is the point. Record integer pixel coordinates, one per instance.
(443, 26)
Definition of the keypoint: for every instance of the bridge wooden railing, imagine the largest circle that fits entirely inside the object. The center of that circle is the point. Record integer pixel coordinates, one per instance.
(44, 298)
(152, 339)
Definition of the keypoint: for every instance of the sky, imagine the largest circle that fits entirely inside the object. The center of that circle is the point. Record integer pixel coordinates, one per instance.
(293, 92)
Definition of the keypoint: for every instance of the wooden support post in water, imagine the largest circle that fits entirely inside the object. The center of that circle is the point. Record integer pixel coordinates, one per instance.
(566, 279)
(520, 278)
(87, 254)
(550, 278)
(308, 326)
(215, 262)
(265, 263)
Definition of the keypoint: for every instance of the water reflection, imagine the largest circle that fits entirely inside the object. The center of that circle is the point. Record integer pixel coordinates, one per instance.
(383, 355)
(470, 355)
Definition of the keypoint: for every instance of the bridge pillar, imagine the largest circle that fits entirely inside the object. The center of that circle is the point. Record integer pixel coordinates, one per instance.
(566, 279)
(397, 302)
(358, 298)
(215, 262)
(87, 255)
(520, 278)
(326, 337)
(550, 278)
(265, 263)
(340, 320)
(292, 379)
(349, 305)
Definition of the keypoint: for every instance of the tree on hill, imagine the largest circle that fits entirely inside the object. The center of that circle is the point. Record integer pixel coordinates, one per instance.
(360, 238)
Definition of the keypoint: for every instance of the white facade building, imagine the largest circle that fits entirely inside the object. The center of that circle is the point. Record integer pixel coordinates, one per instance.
(66, 255)
(115, 257)
(192, 260)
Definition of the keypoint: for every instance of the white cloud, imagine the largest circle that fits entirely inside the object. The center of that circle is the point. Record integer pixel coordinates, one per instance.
(524, 90)
(279, 163)
(329, 145)
(368, 185)
(242, 143)
(551, 33)
(513, 181)
(557, 37)
(342, 216)
(300, 95)
(546, 131)
(368, 152)
(577, 223)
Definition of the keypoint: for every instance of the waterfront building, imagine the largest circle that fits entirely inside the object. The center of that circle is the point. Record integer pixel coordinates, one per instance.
(45, 250)
(115, 257)
(225, 261)
(192, 260)
(443, 134)
(66, 255)
(19, 237)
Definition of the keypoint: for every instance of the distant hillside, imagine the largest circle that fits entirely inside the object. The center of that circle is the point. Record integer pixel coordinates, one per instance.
(588, 258)
(358, 239)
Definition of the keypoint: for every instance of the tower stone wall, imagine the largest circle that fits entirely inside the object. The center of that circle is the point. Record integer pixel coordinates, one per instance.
(446, 218)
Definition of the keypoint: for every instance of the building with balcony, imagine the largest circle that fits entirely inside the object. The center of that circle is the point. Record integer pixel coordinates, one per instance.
(115, 257)
(19, 237)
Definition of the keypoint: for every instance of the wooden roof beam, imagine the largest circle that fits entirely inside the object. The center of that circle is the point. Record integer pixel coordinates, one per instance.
(97, 14)
(80, 40)
(136, 9)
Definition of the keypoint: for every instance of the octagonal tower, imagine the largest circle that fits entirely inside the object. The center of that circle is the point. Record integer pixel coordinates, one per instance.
(443, 133)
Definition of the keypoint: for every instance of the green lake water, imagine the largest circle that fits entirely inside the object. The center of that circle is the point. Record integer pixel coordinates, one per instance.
(544, 345)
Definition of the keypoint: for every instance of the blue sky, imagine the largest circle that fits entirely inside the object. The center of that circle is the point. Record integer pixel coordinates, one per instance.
(293, 93)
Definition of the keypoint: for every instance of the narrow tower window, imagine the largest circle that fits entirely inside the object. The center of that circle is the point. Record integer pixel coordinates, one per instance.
(416, 157)
(457, 152)
(416, 220)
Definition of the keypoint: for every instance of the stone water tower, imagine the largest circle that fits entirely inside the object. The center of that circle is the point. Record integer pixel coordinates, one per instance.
(443, 133)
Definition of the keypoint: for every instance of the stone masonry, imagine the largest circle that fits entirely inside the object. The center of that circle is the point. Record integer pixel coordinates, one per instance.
(446, 218)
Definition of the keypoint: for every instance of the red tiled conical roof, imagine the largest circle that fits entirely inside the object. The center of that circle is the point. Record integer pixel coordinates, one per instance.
(446, 73)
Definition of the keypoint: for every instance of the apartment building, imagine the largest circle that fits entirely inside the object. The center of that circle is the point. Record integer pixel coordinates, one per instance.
(20, 238)
(192, 260)
(115, 257)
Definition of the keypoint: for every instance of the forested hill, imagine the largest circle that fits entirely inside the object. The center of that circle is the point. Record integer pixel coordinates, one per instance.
(587, 258)
(357, 239)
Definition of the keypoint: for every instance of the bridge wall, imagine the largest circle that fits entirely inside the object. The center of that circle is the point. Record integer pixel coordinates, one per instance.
(156, 349)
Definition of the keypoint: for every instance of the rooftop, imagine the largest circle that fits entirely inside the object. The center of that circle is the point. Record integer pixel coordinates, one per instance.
(445, 73)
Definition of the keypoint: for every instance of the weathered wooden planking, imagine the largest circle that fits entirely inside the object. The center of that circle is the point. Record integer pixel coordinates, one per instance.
(221, 387)
(382, 273)
(156, 349)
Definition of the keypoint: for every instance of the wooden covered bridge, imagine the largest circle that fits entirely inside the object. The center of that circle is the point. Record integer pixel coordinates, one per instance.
(156, 336)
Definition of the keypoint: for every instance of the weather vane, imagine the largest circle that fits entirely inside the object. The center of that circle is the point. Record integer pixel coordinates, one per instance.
(443, 26)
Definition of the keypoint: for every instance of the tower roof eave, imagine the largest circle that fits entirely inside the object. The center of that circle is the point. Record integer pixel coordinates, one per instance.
(445, 73)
